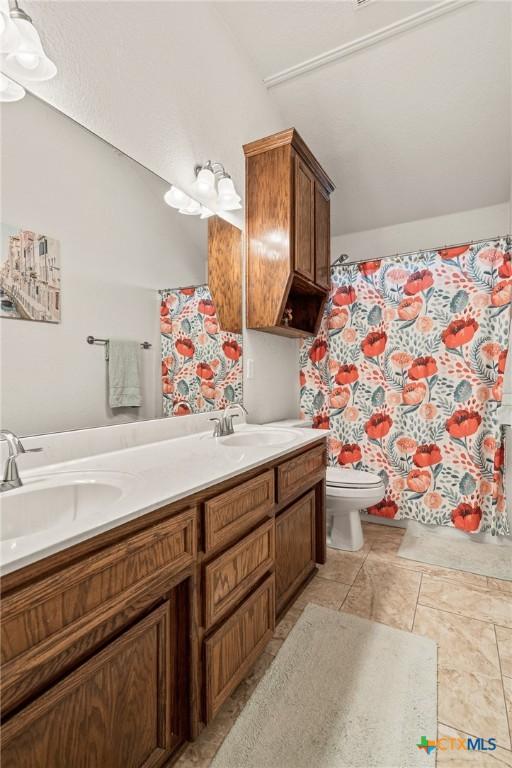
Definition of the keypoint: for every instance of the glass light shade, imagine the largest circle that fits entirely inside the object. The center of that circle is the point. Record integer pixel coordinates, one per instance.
(28, 61)
(9, 35)
(192, 209)
(9, 90)
(205, 182)
(205, 212)
(228, 198)
(176, 198)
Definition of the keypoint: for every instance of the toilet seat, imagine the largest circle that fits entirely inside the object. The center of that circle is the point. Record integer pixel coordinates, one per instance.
(355, 479)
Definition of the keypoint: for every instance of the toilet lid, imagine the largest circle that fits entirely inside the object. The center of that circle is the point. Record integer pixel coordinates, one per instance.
(351, 478)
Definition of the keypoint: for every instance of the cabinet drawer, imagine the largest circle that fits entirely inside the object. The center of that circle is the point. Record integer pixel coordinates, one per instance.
(46, 623)
(232, 650)
(229, 577)
(112, 712)
(232, 513)
(298, 473)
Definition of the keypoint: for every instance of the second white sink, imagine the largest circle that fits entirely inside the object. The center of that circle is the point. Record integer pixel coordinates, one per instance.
(257, 438)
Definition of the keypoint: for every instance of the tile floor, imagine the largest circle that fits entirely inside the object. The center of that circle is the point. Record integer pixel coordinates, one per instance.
(469, 616)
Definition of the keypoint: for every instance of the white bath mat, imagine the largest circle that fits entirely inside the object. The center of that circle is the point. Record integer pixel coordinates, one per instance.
(493, 560)
(343, 692)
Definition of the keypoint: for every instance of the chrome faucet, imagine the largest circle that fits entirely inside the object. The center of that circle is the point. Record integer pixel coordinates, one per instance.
(11, 478)
(224, 423)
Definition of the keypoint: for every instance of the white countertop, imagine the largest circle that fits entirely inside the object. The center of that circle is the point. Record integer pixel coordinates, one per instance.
(149, 476)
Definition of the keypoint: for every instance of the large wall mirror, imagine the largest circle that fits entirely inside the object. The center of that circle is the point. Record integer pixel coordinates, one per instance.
(90, 249)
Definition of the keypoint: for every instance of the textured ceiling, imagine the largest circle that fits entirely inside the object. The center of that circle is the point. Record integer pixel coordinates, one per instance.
(413, 127)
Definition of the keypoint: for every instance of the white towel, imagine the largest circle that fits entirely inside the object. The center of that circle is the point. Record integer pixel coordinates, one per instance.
(505, 410)
(123, 373)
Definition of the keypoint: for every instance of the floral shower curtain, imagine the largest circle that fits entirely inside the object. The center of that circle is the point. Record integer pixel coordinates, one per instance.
(407, 371)
(201, 364)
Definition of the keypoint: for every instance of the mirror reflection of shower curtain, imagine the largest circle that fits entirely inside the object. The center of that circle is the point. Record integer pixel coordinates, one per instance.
(407, 371)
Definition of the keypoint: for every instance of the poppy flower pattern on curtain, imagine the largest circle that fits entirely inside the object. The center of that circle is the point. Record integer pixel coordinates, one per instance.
(201, 364)
(407, 371)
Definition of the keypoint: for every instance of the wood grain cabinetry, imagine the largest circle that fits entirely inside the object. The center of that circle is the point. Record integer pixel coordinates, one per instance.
(298, 473)
(231, 576)
(288, 235)
(232, 650)
(225, 272)
(295, 548)
(228, 515)
(322, 237)
(117, 650)
(111, 712)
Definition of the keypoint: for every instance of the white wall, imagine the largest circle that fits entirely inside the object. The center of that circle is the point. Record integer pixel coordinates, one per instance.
(424, 233)
(119, 244)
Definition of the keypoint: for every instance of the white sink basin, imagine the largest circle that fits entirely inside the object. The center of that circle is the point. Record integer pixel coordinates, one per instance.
(257, 438)
(53, 500)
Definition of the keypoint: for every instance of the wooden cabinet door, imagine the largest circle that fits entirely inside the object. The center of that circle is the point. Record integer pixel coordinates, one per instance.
(304, 249)
(322, 238)
(114, 711)
(295, 548)
(231, 650)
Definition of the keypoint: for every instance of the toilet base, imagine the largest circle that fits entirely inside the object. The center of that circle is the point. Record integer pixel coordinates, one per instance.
(345, 531)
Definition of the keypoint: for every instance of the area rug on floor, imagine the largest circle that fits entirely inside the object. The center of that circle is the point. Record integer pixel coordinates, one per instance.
(343, 692)
(493, 560)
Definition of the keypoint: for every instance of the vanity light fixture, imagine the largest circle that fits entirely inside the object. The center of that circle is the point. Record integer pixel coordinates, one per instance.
(205, 180)
(9, 90)
(228, 198)
(176, 198)
(214, 185)
(192, 208)
(225, 195)
(21, 51)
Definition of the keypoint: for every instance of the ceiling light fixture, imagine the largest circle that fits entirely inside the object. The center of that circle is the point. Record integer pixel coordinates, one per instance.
(21, 50)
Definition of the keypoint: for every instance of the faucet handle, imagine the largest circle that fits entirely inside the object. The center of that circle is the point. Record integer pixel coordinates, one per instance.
(217, 432)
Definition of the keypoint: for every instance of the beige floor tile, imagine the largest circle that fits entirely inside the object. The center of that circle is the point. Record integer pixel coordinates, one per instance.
(464, 644)
(504, 638)
(507, 689)
(471, 601)
(500, 584)
(342, 566)
(287, 623)
(383, 550)
(324, 592)
(384, 593)
(456, 758)
(474, 704)
(376, 530)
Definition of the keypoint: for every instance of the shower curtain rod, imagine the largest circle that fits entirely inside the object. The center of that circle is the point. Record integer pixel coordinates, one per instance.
(344, 256)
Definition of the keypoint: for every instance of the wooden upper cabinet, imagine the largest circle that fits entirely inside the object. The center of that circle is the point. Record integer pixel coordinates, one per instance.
(287, 235)
(322, 238)
(304, 251)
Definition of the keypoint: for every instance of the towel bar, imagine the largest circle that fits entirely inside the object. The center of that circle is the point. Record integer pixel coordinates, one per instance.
(92, 340)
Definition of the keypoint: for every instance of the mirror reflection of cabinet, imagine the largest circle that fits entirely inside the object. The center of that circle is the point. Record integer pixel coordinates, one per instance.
(225, 272)
(288, 235)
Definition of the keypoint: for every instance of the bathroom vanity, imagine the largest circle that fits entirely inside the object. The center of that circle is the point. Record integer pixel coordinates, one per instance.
(132, 638)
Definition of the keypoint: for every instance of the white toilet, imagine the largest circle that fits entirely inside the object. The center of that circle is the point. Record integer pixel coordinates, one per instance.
(348, 491)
